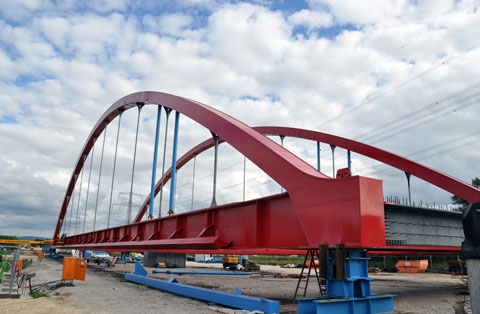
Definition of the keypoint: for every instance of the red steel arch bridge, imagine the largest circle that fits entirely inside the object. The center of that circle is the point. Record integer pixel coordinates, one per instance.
(314, 209)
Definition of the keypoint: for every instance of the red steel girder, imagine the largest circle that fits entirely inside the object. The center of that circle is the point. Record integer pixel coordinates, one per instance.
(266, 223)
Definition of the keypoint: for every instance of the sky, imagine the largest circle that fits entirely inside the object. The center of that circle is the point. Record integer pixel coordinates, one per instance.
(399, 75)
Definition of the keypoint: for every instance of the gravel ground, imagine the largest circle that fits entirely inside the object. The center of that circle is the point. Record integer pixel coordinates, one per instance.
(105, 291)
(102, 292)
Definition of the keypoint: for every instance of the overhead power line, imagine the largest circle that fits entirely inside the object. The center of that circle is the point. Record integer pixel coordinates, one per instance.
(430, 114)
(459, 140)
(442, 96)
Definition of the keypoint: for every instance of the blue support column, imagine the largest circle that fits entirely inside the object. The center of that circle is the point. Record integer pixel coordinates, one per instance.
(154, 167)
(171, 208)
(348, 290)
(318, 156)
(349, 159)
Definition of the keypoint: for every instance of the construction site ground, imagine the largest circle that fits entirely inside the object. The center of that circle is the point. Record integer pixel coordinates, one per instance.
(105, 291)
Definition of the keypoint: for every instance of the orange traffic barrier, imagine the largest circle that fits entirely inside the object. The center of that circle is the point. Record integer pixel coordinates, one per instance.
(419, 266)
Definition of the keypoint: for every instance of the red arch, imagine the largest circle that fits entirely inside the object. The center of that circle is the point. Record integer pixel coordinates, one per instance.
(441, 180)
(348, 211)
(256, 147)
(437, 178)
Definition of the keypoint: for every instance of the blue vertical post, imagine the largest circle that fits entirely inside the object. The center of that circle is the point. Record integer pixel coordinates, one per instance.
(171, 208)
(318, 156)
(154, 167)
(349, 158)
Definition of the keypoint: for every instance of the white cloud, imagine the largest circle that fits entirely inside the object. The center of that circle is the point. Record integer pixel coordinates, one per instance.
(7, 67)
(17, 10)
(250, 39)
(55, 30)
(169, 24)
(311, 19)
(105, 6)
(362, 12)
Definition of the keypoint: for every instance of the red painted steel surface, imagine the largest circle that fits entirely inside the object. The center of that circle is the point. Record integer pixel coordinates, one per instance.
(315, 209)
(268, 222)
(264, 223)
(339, 203)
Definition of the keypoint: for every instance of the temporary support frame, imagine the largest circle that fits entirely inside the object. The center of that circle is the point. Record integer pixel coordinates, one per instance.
(311, 255)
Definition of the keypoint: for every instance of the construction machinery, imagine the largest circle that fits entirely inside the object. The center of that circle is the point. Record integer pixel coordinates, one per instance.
(99, 258)
(457, 267)
(230, 262)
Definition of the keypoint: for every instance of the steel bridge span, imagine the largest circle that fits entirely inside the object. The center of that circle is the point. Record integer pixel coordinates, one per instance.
(314, 210)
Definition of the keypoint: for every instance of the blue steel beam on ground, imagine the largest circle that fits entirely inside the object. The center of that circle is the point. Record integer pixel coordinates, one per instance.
(154, 167)
(199, 272)
(234, 300)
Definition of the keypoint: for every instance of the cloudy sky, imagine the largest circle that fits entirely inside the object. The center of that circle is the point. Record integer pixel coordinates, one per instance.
(400, 75)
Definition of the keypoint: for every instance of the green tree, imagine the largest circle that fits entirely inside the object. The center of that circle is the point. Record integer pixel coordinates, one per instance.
(460, 201)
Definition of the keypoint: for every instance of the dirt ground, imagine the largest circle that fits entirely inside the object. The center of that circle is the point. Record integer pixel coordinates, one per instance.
(105, 291)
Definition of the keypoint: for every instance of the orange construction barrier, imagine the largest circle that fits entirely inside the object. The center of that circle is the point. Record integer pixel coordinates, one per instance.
(419, 266)
(40, 256)
(74, 268)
